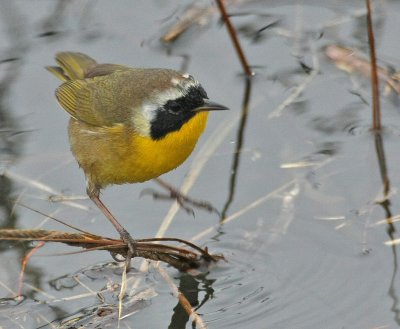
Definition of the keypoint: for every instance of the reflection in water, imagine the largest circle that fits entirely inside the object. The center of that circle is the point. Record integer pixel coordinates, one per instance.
(391, 230)
(53, 25)
(392, 288)
(11, 136)
(253, 24)
(9, 217)
(346, 120)
(15, 31)
(191, 287)
(380, 151)
(10, 141)
(52, 22)
(239, 145)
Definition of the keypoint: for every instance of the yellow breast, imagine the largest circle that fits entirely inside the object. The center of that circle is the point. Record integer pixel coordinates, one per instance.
(117, 155)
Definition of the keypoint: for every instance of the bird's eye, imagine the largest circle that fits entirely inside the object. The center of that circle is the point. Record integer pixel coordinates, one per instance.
(173, 107)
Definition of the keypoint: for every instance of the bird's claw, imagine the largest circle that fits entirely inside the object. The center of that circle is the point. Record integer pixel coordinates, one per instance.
(131, 244)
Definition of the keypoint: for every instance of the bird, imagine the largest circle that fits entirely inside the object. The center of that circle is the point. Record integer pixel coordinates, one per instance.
(128, 124)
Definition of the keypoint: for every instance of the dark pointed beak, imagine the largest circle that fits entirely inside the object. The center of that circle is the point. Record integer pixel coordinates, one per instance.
(210, 106)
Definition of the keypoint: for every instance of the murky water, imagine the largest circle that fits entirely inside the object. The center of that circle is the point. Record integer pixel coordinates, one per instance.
(306, 209)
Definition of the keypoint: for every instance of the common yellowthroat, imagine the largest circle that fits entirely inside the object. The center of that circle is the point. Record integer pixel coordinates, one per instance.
(128, 125)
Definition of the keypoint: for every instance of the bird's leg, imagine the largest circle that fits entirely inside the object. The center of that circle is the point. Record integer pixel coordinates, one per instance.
(182, 199)
(124, 234)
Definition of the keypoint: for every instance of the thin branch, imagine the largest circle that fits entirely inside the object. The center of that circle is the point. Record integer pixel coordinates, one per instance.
(376, 116)
(235, 40)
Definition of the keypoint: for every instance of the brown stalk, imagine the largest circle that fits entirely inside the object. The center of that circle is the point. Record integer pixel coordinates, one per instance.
(235, 40)
(376, 111)
(381, 155)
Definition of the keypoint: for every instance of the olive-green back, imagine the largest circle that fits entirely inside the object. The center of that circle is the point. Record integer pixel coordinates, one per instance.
(105, 94)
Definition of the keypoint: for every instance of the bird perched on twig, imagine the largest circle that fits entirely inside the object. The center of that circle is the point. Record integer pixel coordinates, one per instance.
(127, 124)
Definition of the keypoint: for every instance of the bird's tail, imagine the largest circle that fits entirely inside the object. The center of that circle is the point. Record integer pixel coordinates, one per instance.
(72, 66)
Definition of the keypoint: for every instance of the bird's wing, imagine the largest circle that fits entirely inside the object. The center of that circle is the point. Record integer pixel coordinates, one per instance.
(71, 65)
(112, 93)
(105, 69)
(101, 99)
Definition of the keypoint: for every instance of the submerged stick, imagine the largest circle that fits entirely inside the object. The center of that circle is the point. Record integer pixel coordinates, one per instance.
(350, 60)
(194, 14)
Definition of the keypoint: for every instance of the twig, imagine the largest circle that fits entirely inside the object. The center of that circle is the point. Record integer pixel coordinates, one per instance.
(41, 187)
(235, 40)
(182, 300)
(194, 14)
(349, 60)
(177, 257)
(376, 114)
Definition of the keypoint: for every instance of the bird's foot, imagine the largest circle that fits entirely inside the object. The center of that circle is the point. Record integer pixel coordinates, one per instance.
(131, 244)
(184, 201)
